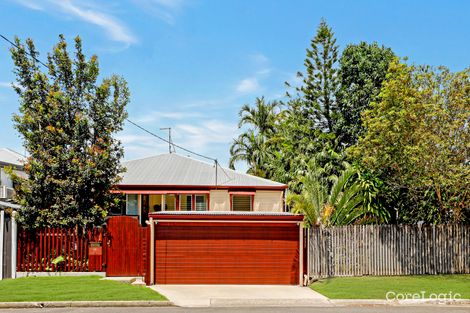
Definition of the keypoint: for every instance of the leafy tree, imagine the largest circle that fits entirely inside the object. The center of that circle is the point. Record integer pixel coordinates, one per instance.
(68, 121)
(362, 70)
(340, 204)
(320, 81)
(418, 138)
(253, 146)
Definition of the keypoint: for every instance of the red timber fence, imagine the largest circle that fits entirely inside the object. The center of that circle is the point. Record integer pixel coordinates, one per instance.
(60, 249)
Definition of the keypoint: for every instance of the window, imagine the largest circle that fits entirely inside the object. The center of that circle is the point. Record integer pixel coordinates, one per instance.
(201, 202)
(155, 203)
(131, 205)
(186, 202)
(241, 203)
(170, 203)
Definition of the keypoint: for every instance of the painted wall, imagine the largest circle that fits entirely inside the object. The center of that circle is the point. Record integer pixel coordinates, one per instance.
(219, 200)
(268, 201)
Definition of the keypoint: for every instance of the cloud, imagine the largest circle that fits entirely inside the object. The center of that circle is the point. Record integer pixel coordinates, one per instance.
(248, 85)
(8, 85)
(205, 135)
(156, 116)
(31, 4)
(87, 12)
(166, 10)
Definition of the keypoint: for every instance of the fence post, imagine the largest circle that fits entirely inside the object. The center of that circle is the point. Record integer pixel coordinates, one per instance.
(14, 241)
(2, 221)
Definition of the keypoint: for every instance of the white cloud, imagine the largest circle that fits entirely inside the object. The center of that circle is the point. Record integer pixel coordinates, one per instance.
(88, 12)
(157, 116)
(8, 85)
(248, 85)
(165, 10)
(205, 135)
(31, 4)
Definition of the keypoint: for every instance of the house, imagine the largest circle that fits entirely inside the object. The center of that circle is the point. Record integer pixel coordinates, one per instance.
(172, 182)
(8, 158)
(192, 222)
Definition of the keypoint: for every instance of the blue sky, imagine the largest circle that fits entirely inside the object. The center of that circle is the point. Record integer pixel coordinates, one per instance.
(191, 64)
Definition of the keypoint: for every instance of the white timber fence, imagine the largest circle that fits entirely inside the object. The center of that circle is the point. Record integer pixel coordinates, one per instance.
(386, 250)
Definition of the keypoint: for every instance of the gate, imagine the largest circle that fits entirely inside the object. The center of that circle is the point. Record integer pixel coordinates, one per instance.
(126, 247)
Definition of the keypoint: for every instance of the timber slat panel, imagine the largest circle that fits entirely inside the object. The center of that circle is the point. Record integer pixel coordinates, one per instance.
(226, 254)
(389, 250)
(38, 248)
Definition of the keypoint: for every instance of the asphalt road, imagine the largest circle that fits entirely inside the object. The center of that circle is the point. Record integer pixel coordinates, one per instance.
(421, 309)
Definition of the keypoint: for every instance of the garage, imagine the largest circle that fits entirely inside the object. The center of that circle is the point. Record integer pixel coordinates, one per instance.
(226, 248)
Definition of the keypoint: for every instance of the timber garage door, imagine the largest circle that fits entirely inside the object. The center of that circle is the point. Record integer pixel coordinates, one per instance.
(231, 253)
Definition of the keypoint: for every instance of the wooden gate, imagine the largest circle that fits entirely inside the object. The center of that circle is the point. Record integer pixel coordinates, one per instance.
(126, 247)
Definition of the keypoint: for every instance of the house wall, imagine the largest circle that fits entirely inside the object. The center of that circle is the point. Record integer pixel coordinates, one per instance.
(268, 201)
(219, 200)
(5, 180)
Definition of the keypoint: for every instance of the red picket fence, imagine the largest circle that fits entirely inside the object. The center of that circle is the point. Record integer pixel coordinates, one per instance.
(59, 249)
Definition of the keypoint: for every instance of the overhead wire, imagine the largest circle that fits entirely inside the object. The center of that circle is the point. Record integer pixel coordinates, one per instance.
(135, 124)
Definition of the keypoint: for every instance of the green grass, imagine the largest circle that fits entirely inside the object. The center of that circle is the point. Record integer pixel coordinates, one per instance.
(369, 287)
(82, 288)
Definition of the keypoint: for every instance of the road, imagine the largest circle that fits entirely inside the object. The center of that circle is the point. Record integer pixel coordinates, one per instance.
(421, 309)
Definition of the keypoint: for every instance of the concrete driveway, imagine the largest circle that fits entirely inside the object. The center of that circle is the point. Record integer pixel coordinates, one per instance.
(240, 295)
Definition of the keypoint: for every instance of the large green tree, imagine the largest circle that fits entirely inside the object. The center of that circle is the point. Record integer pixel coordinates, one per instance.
(362, 70)
(418, 139)
(320, 79)
(68, 121)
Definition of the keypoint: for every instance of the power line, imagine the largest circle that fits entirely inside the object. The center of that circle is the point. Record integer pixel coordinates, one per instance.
(135, 124)
(18, 47)
(169, 142)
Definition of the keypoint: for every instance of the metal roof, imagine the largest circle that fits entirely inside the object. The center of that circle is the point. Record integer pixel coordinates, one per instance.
(172, 169)
(10, 157)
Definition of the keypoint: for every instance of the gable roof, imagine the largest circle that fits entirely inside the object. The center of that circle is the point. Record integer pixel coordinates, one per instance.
(172, 169)
(10, 157)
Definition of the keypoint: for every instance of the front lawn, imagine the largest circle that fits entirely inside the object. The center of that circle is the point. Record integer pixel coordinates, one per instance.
(66, 288)
(369, 287)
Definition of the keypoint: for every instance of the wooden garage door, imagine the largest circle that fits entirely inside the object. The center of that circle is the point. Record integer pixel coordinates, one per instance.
(226, 254)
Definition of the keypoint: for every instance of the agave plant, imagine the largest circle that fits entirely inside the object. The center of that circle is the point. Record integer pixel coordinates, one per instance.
(340, 204)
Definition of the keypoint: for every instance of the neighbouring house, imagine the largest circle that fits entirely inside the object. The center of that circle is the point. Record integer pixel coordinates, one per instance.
(207, 225)
(15, 160)
(8, 158)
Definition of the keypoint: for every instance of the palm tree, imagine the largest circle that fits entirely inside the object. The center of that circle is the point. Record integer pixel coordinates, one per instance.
(251, 148)
(253, 145)
(262, 117)
(340, 204)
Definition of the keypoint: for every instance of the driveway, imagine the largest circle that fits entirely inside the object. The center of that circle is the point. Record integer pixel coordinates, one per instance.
(240, 295)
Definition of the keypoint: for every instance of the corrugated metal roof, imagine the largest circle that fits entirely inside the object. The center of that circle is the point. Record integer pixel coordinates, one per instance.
(172, 169)
(8, 156)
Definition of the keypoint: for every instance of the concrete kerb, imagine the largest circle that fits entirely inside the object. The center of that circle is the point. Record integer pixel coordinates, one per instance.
(82, 304)
(409, 302)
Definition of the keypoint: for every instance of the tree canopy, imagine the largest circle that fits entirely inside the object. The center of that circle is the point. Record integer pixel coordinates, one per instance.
(67, 120)
(404, 128)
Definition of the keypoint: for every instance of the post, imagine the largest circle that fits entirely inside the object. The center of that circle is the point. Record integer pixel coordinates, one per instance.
(152, 251)
(14, 241)
(301, 255)
(2, 221)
